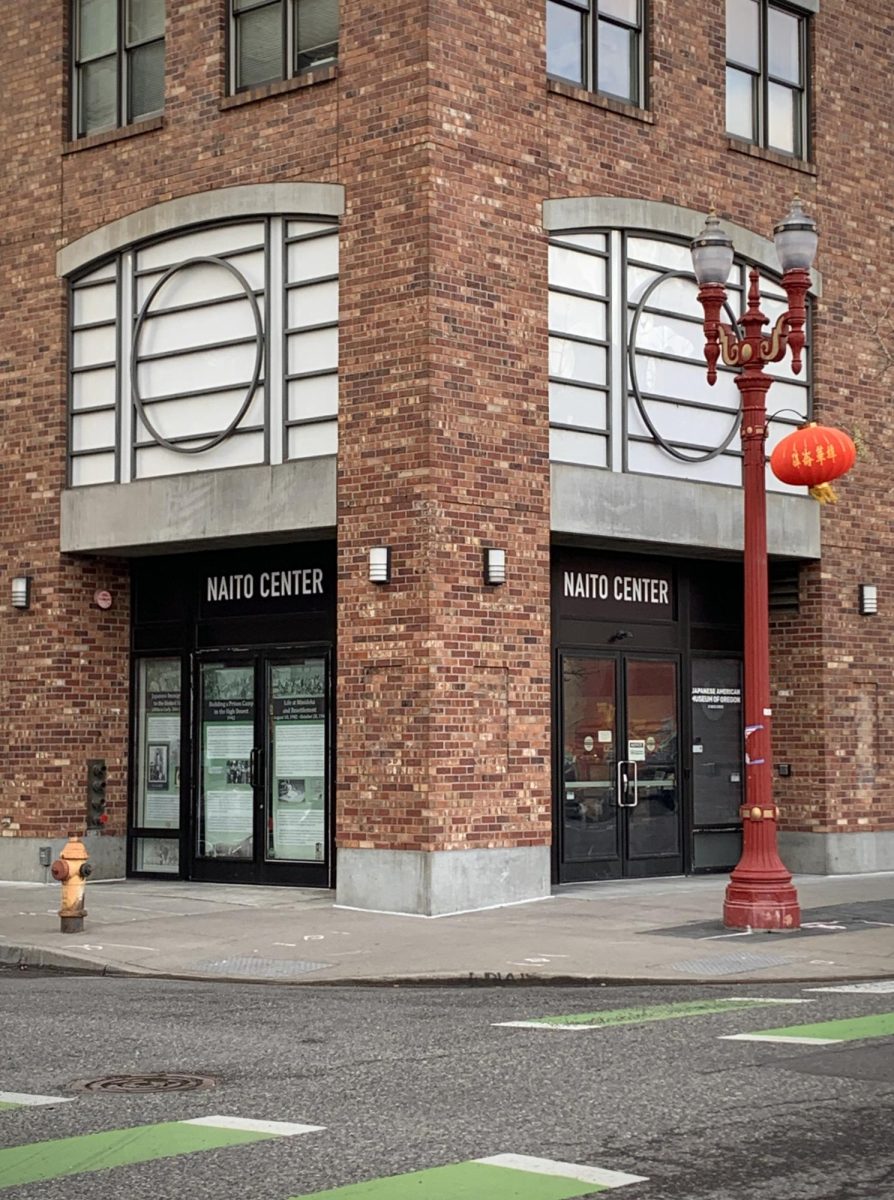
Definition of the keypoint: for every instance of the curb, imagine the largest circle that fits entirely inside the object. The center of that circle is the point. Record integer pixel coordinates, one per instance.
(25, 957)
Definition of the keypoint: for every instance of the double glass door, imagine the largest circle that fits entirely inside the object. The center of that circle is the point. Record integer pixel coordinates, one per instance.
(261, 809)
(620, 789)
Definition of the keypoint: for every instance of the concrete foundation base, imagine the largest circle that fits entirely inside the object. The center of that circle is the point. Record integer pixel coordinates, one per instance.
(20, 857)
(437, 882)
(837, 853)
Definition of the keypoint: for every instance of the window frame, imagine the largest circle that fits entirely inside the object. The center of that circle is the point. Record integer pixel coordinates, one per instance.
(289, 48)
(764, 79)
(122, 54)
(592, 20)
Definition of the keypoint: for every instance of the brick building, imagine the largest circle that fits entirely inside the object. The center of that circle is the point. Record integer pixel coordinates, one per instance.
(300, 291)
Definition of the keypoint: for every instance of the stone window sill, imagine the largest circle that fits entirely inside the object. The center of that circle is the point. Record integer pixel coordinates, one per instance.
(114, 135)
(773, 156)
(595, 100)
(281, 87)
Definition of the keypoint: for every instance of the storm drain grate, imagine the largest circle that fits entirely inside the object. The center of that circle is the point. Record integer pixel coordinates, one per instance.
(163, 1082)
(730, 964)
(260, 968)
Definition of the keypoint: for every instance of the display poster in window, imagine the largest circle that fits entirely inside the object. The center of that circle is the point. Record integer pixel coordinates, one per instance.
(158, 800)
(227, 742)
(298, 783)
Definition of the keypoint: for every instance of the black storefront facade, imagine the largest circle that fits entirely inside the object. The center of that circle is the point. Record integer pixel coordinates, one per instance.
(231, 775)
(647, 720)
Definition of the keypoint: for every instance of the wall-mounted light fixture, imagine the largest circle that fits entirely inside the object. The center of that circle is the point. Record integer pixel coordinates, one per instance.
(494, 566)
(868, 599)
(380, 564)
(21, 591)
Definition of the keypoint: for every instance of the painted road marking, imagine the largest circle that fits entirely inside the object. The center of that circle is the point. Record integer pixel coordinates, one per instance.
(641, 1014)
(40, 1161)
(873, 987)
(500, 1177)
(23, 1100)
(826, 1033)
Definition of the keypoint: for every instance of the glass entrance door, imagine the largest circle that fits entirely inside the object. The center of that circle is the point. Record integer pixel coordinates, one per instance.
(261, 810)
(620, 787)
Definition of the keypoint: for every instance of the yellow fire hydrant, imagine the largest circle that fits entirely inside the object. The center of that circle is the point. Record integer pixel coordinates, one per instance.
(72, 870)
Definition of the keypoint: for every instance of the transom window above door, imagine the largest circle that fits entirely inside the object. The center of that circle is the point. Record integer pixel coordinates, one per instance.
(118, 63)
(598, 45)
(272, 40)
(766, 69)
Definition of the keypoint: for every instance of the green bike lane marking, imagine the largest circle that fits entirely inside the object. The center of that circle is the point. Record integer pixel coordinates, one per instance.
(824, 1033)
(499, 1177)
(641, 1014)
(25, 1100)
(90, 1152)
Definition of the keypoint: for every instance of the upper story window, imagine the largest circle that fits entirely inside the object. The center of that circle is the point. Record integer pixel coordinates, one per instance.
(627, 380)
(119, 62)
(278, 39)
(766, 66)
(597, 44)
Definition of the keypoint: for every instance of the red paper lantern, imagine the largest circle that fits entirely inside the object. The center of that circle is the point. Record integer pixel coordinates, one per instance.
(812, 457)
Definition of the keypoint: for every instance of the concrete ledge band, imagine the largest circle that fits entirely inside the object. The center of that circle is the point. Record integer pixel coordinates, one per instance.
(19, 862)
(837, 853)
(438, 882)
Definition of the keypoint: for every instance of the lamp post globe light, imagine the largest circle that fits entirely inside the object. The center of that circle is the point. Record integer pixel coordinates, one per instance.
(760, 893)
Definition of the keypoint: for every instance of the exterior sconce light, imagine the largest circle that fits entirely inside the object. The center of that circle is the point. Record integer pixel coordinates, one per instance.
(21, 591)
(868, 599)
(494, 566)
(380, 564)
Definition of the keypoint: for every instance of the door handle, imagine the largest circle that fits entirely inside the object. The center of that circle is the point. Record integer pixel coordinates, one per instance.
(254, 764)
(624, 780)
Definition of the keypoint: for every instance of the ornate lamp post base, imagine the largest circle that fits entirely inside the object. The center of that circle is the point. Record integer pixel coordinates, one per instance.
(760, 893)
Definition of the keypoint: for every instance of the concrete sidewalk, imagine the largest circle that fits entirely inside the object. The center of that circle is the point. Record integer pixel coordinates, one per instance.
(666, 930)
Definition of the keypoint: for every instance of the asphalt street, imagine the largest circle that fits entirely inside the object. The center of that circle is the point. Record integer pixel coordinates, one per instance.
(405, 1079)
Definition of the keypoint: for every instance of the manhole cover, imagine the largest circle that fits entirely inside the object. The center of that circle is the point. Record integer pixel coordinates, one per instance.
(164, 1082)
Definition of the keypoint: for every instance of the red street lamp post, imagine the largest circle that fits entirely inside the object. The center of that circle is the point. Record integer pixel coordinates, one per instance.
(760, 893)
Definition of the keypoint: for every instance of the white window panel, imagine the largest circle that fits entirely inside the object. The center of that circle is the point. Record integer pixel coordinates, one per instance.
(591, 241)
(190, 372)
(108, 271)
(783, 370)
(315, 351)
(649, 459)
(573, 314)
(93, 346)
(773, 289)
(581, 272)
(313, 305)
(92, 388)
(94, 304)
(776, 485)
(315, 397)
(243, 450)
(577, 360)
(685, 381)
(676, 294)
(298, 228)
(92, 468)
(92, 431)
(312, 259)
(683, 423)
(202, 282)
(669, 335)
(217, 242)
(661, 254)
(313, 441)
(584, 449)
(577, 406)
(789, 396)
(201, 416)
(198, 327)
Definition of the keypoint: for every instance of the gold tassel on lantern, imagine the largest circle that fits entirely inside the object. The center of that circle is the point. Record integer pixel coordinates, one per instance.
(824, 493)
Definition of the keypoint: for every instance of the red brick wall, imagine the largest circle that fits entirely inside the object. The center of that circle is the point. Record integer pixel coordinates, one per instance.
(442, 129)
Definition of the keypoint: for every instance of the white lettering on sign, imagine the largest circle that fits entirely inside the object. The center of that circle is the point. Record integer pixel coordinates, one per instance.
(626, 589)
(307, 581)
